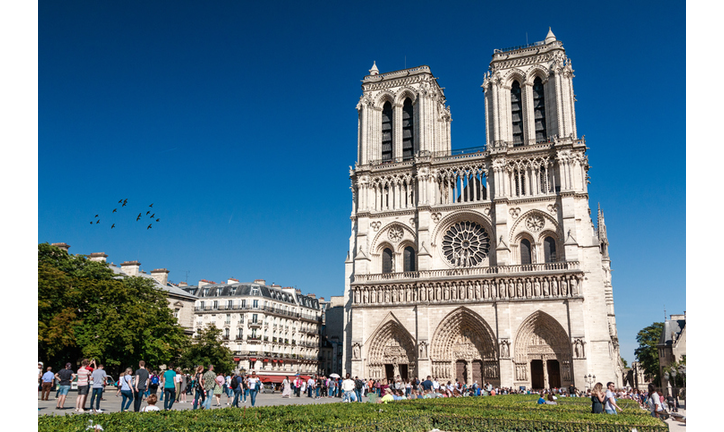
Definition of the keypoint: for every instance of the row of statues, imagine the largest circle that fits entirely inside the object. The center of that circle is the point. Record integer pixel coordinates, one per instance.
(495, 289)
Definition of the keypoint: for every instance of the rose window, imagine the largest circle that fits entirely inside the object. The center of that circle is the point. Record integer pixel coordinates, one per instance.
(395, 233)
(535, 223)
(466, 244)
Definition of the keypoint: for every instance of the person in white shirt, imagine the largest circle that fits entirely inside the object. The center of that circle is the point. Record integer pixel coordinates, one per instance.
(654, 401)
(348, 387)
(151, 401)
(611, 406)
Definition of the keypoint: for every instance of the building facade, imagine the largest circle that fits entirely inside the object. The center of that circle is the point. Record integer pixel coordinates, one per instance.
(481, 264)
(672, 348)
(270, 329)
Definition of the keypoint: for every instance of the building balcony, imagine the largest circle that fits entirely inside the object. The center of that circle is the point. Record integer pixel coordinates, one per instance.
(253, 339)
(508, 270)
(254, 324)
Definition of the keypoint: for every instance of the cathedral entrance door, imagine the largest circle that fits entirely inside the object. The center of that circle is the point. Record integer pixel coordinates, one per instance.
(461, 371)
(403, 372)
(478, 372)
(554, 373)
(390, 372)
(537, 380)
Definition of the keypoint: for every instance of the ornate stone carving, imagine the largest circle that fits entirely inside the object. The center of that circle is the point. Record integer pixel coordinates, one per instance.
(579, 350)
(535, 223)
(466, 244)
(514, 212)
(376, 225)
(504, 348)
(552, 208)
(436, 216)
(395, 233)
(355, 351)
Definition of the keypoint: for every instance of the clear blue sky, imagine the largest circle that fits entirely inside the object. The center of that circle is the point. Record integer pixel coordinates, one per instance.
(237, 121)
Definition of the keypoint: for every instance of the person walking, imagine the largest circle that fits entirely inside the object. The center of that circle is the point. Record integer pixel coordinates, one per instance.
(183, 383)
(99, 384)
(611, 406)
(153, 382)
(286, 388)
(140, 384)
(126, 389)
(200, 395)
(83, 380)
(348, 389)
(64, 377)
(597, 398)
(253, 382)
(654, 402)
(47, 382)
(209, 382)
(237, 387)
(219, 388)
(168, 381)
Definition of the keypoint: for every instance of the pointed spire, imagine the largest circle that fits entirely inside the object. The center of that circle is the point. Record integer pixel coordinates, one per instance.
(550, 37)
(374, 70)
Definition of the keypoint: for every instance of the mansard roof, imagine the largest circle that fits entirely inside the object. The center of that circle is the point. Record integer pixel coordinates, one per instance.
(246, 289)
(169, 288)
(672, 330)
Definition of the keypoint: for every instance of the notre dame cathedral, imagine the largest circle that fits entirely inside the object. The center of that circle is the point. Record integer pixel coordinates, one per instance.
(481, 264)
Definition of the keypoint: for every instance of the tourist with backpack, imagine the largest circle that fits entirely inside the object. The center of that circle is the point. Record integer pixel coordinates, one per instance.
(154, 382)
(358, 386)
(237, 387)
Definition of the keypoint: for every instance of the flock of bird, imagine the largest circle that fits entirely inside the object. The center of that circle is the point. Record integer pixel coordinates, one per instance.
(123, 203)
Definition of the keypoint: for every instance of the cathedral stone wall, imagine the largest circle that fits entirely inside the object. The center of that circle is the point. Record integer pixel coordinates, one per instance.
(478, 264)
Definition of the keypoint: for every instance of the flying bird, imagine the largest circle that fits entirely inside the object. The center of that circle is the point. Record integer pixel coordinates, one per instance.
(156, 220)
(124, 202)
(148, 212)
(98, 220)
(153, 215)
(95, 216)
(151, 205)
(139, 217)
(91, 222)
(114, 210)
(113, 226)
(149, 226)
(120, 201)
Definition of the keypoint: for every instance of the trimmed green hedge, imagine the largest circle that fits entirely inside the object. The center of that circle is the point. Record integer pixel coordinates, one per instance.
(498, 413)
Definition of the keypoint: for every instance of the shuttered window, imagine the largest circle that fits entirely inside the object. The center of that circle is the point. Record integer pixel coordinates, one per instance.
(409, 254)
(408, 150)
(525, 257)
(549, 249)
(387, 132)
(516, 112)
(539, 111)
(387, 261)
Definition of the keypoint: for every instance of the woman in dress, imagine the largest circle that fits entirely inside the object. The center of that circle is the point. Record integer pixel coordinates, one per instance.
(286, 388)
(199, 387)
(597, 398)
(182, 390)
(218, 389)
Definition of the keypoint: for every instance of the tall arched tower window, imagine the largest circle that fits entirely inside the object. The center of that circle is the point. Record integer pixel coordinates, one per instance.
(387, 261)
(539, 111)
(516, 113)
(525, 257)
(408, 141)
(387, 132)
(549, 249)
(409, 259)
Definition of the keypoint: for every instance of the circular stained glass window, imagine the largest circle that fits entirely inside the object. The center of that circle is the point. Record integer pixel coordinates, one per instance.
(466, 244)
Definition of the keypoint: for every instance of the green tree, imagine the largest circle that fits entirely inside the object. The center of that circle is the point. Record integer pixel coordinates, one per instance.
(625, 363)
(647, 353)
(207, 348)
(85, 310)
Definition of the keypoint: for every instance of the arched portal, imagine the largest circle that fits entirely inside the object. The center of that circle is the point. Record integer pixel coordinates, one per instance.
(542, 353)
(392, 352)
(463, 347)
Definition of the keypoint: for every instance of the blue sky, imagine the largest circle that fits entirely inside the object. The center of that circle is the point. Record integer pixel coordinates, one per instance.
(237, 121)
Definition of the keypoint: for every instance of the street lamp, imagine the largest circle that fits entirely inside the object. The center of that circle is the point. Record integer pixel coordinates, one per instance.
(590, 379)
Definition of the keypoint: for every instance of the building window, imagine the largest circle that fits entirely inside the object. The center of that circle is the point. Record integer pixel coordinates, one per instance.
(216, 304)
(387, 261)
(255, 305)
(387, 132)
(516, 111)
(549, 249)
(525, 257)
(408, 141)
(539, 111)
(176, 312)
(409, 255)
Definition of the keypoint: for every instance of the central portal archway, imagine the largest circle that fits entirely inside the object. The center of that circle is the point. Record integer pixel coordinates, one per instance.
(542, 353)
(463, 348)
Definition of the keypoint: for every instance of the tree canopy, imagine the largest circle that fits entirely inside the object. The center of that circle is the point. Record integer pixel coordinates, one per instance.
(647, 353)
(85, 310)
(207, 348)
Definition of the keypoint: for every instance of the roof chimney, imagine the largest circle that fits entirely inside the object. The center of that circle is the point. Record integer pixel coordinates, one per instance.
(204, 282)
(312, 295)
(130, 267)
(98, 257)
(260, 281)
(232, 281)
(63, 246)
(182, 284)
(161, 276)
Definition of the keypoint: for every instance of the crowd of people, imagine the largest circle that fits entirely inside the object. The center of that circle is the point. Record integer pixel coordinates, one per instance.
(203, 386)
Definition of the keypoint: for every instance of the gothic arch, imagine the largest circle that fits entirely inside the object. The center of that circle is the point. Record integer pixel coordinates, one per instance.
(540, 337)
(536, 72)
(513, 75)
(463, 335)
(438, 234)
(517, 229)
(403, 93)
(384, 96)
(378, 240)
(391, 344)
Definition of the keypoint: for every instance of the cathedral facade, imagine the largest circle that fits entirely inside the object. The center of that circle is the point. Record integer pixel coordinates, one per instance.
(480, 264)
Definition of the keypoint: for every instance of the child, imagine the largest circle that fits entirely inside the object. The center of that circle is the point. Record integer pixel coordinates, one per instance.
(151, 400)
